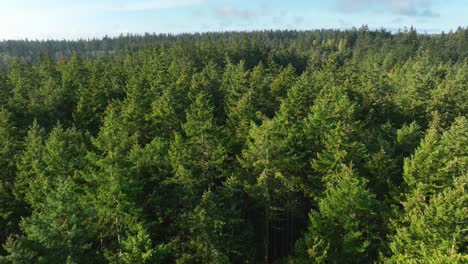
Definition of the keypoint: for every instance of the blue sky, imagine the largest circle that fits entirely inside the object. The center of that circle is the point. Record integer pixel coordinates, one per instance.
(47, 19)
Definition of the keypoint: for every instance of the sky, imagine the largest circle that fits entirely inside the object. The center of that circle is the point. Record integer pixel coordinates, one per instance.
(72, 19)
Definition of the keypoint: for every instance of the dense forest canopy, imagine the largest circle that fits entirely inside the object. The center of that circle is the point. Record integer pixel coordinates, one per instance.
(320, 146)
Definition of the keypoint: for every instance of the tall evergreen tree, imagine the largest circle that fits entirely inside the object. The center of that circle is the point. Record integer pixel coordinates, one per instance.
(197, 155)
(345, 226)
(114, 186)
(9, 147)
(436, 177)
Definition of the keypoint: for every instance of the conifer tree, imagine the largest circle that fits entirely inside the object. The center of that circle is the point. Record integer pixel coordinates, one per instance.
(9, 207)
(437, 232)
(259, 82)
(197, 155)
(209, 81)
(135, 106)
(414, 82)
(138, 248)
(239, 103)
(218, 232)
(339, 149)
(450, 97)
(436, 178)
(262, 159)
(345, 226)
(408, 137)
(48, 180)
(21, 79)
(29, 163)
(114, 185)
(438, 159)
(93, 98)
(60, 227)
(163, 117)
(216, 147)
(281, 84)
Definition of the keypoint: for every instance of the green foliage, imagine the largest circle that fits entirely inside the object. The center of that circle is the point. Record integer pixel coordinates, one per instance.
(321, 146)
(138, 249)
(435, 233)
(199, 150)
(29, 162)
(217, 230)
(8, 150)
(339, 148)
(60, 227)
(414, 82)
(439, 158)
(451, 96)
(239, 106)
(45, 163)
(345, 226)
(331, 107)
(432, 227)
(408, 137)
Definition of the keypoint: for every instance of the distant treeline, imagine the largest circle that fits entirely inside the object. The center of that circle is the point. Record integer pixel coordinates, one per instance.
(444, 46)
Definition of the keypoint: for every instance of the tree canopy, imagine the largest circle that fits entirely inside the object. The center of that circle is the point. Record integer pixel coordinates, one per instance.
(320, 146)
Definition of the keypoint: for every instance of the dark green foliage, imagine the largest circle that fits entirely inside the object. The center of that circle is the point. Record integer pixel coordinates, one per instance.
(321, 146)
(9, 148)
(198, 151)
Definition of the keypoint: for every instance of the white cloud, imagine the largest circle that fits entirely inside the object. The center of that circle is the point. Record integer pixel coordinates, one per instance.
(154, 4)
(232, 13)
(421, 8)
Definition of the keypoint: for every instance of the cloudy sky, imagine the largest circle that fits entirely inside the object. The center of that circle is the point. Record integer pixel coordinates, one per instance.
(71, 19)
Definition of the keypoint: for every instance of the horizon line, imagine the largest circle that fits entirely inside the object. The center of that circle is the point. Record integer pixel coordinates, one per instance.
(116, 35)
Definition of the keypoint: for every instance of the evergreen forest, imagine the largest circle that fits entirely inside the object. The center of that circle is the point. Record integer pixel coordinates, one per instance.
(285, 147)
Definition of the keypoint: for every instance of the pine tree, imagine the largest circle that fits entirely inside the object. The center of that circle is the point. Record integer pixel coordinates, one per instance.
(329, 108)
(135, 106)
(332, 135)
(239, 103)
(345, 226)
(437, 233)
(9, 145)
(408, 137)
(29, 164)
(300, 97)
(93, 98)
(262, 159)
(339, 149)
(41, 165)
(48, 180)
(209, 81)
(197, 155)
(218, 232)
(259, 82)
(61, 226)
(114, 185)
(438, 159)
(281, 84)
(21, 79)
(74, 75)
(414, 82)
(431, 226)
(138, 248)
(450, 96)
(151, 163)
(197, 158)
(5, 88)
(163, 117)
